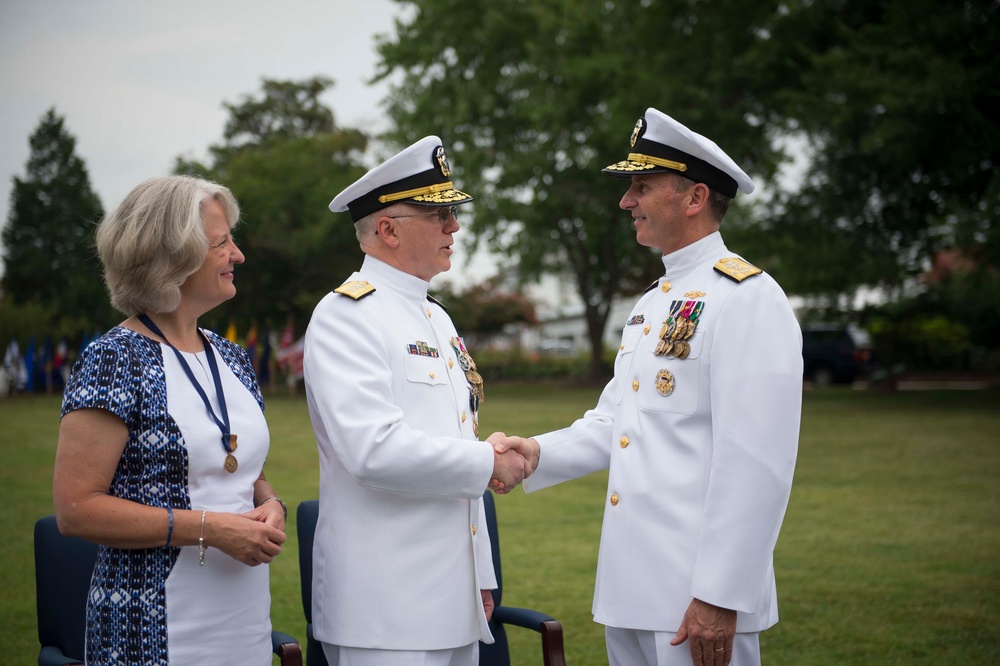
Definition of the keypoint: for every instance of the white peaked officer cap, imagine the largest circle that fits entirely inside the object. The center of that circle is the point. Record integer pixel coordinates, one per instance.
(418, 175)
(661, 144)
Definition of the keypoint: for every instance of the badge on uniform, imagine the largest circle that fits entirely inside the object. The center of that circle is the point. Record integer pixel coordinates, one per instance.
(638, 319)
(664, 383)
(422, 349)
(678, 329)
(477, 393)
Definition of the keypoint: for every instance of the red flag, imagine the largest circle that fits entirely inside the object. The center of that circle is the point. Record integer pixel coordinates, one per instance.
(290, 352)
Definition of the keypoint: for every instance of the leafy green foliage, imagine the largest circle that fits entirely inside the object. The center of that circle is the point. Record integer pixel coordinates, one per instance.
(895, 102)
(485, 310)
(49, 258)
(284, 159)
(899, 104)
(534, 98)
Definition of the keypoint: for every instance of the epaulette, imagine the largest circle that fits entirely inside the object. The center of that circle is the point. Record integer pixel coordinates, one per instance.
(437, 302)
(357, 289)
(736, 269)
(650, 287)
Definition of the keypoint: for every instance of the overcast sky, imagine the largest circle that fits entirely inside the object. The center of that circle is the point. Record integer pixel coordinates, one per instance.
(140, 83)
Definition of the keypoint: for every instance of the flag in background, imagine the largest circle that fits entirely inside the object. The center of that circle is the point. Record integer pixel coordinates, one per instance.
(290, 352)
(264, 367)
(251, 345)
(13, 363)
(29, 366)
(231, 332)
(60, 368)
(48, 354)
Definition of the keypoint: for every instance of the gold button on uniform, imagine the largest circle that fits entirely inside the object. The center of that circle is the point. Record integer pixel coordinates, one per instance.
(451, 363)
(432, 375)
(665, 287)
(463, 417)
(473, 529)
(645, 329)
(635, 384)
(428, 313)
(621, 347)
(614, 500)
(623, 442)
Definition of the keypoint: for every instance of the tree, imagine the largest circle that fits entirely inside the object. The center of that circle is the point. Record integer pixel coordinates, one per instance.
(537, 97)
(895, 100)
(486, 310)
(49, 253)
(284, 159)
(899, 104)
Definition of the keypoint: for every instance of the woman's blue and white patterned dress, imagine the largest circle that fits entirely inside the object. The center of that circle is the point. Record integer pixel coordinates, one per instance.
(157, 605)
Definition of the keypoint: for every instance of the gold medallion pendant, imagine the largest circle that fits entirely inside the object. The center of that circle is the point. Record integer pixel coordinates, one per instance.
(231, 462)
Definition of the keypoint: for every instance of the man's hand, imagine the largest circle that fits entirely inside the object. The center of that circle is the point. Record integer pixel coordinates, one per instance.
(488, 604)
(508, 466)
(711, 630)
(527, 447)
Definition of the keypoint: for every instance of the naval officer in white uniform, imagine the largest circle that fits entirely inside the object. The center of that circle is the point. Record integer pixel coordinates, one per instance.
(401, 563)
(698, 428)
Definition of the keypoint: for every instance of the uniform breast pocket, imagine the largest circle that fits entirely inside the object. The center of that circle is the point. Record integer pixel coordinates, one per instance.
(672, 384)
(425, 370)
(631, 337)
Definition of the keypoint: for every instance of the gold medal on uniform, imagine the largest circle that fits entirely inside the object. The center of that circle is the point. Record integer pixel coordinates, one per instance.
(477, 392)
(679, 327)
(664, 383)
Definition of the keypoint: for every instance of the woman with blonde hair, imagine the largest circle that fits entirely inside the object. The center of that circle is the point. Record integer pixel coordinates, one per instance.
(162, 444)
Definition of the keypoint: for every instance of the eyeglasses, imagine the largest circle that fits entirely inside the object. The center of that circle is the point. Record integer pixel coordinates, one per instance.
(442, 214)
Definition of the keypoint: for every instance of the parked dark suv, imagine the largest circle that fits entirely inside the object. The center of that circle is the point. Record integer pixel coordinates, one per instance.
(835, 353)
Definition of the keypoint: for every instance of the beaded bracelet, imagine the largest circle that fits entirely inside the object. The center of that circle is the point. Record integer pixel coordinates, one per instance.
(201, 541)
(170, 524)
(284, 507)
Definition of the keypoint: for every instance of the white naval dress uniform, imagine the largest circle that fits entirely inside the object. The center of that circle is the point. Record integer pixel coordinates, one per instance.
(699, 479)
(401, 549)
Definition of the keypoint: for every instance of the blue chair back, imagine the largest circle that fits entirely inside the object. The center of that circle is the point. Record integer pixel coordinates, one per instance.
(305, 524)
(63, 569)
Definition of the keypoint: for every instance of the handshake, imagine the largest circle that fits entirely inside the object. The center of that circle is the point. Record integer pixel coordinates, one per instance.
(514, 459)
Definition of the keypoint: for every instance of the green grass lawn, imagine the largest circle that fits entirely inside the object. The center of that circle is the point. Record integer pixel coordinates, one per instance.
(888, 554)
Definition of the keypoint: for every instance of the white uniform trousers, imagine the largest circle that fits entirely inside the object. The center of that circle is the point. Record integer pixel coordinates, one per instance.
(632, 647)
(338, 655)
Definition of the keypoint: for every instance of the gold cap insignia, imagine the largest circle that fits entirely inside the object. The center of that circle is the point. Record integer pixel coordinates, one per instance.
(357, 289)
(442, 161)
(736, 269)
(636, 132)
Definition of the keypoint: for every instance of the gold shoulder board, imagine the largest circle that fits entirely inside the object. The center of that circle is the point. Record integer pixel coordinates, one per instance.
(736, 269)
(356, 290)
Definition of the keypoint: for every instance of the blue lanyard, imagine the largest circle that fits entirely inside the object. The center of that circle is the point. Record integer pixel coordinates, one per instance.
(228, 442)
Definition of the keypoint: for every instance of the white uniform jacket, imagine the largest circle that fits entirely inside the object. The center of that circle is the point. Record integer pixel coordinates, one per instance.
(401, 547)
(698, 479)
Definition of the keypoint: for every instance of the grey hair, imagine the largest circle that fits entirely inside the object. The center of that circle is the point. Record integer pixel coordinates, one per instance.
(365, 227)
(155, 238)
(718, 203)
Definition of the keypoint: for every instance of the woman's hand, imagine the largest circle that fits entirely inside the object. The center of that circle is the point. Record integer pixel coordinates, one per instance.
(250, 540)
